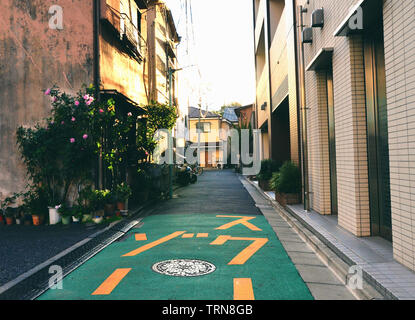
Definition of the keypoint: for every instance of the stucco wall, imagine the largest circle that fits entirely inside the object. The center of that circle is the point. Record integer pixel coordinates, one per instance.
(33, 57)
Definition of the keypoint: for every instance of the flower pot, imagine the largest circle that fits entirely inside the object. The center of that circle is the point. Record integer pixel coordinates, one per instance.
(287, 198)
(9, 221)
(109, 209)
(124, 213)
(118, 213)
(54, 216)
(120, 205)
(36, 220)
(18, 221)
(86, 217)
(75, 219)
(98, 219)
(66, 220)
(264, 185)
(1, 219)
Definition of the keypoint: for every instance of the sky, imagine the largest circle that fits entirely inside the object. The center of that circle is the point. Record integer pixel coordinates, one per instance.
(222, 49)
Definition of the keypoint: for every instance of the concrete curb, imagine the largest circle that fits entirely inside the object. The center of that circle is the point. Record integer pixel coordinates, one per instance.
(33, 283)
(335, 262)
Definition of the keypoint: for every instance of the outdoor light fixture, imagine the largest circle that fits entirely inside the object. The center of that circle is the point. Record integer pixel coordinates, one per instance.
(264, 106)
(317, 18)
(308, 35)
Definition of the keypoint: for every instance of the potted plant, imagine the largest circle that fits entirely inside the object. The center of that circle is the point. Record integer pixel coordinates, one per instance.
(5, 209)
(10, 213)
(19, 215)
(36, 203)
(107, 199)
(54, 216)
(66, 214)
(141, 185)
(268, 167)
(287, 184)
(122, 193)
(77, 212)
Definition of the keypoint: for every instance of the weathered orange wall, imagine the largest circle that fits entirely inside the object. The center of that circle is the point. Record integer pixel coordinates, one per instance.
(33, 58)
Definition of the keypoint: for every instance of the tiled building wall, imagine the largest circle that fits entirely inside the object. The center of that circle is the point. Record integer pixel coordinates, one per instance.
(350, 123)
(399, 30)
(292, 81)
(318, 146)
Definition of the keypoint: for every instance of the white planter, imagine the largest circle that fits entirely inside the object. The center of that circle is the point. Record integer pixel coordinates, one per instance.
(75, 219)
(98, 219)
(54, 216)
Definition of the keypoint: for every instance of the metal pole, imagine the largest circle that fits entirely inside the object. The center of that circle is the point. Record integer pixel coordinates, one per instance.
(170, 147)
(304, 118)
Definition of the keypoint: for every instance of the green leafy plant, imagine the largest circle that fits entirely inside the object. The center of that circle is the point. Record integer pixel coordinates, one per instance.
(268, 167)
(65, 211)
(122, 192)
(288, 180)
(36, 201)
(7, 202)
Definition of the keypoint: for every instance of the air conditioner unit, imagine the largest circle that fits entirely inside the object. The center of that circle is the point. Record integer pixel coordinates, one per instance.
(317, 18)
(308, 35)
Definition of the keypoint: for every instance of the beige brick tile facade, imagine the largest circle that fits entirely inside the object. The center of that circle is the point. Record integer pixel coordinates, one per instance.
(399, 29)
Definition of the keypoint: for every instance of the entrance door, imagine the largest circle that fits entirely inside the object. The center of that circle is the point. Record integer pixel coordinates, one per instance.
(377, 131)
(332, 144)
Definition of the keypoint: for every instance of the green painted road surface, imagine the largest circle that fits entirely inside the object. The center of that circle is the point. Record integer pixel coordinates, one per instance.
(272, 274)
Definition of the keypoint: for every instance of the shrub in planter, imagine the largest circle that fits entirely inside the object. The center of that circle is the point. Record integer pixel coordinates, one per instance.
(268, 167)
(10, 214)
(6, 210)
(141, 186)
(287, 184)
(36, 203)
(66, 214)
(122, 193)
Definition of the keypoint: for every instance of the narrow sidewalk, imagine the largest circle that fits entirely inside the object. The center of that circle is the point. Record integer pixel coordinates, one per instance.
(374, 255)
(321, 281)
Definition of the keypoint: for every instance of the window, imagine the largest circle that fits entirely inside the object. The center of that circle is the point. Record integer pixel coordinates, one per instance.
(139, 21)
(203, 126)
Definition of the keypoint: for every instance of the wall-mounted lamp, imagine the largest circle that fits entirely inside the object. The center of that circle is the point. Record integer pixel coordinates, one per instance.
(308, 35)
(264, 106)
(317, 18)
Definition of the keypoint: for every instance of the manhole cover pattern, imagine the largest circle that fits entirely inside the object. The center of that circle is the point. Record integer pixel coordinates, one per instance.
(184, 268)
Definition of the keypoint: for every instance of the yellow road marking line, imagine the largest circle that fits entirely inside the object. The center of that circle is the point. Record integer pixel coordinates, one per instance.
(111, 282)
(242, 289)
(202, 235)
(140, 237)
(245, 254)
(220, 240)
(248, 252)
(243, 220)
(188, 235)
(154, 244)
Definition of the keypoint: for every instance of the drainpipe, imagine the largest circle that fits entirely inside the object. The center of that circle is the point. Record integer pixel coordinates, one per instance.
(96, 19)
(303, 113)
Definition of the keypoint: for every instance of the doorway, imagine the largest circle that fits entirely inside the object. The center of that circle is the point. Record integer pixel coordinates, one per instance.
(332, 142)
(377, 129)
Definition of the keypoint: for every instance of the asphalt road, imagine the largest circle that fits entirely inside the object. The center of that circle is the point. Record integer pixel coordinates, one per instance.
(209, 242)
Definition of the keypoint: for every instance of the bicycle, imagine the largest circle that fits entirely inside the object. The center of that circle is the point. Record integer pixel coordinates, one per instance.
(197, 170)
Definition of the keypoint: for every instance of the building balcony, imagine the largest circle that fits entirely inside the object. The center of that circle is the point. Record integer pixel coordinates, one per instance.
(123, 28)
(131, 36)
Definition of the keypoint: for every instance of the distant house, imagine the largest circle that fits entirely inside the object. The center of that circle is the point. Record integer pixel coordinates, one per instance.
(246, 116)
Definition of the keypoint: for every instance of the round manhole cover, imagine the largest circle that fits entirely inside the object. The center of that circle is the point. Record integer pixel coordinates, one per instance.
(184, 268)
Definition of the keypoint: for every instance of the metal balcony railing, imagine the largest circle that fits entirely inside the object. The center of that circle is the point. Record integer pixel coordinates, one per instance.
(132, 35)
(125, 28)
